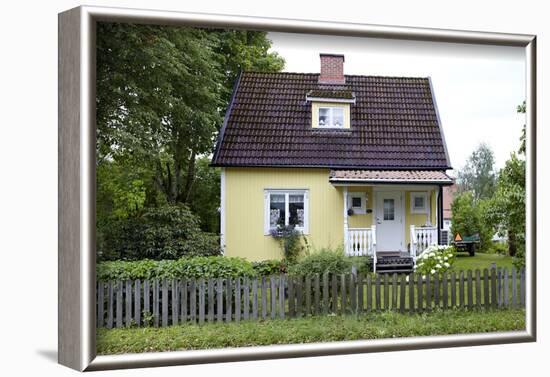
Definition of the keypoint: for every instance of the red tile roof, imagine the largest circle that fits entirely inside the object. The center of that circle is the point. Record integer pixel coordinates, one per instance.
(390, 176)
(394, 125)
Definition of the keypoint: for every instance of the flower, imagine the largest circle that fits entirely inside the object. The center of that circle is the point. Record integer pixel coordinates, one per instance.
(447, 265)
(432, 271)
(437, 266)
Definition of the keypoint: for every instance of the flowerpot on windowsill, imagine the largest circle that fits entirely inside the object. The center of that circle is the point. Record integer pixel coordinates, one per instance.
(350, 212)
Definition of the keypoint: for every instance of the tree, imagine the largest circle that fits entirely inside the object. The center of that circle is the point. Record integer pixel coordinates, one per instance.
(469, 219)
(478, 175)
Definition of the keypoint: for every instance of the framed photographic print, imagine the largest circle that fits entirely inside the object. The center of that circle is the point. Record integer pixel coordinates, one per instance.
(235, 188)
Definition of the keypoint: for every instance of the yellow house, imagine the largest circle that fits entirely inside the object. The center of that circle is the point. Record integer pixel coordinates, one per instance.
(351, 161)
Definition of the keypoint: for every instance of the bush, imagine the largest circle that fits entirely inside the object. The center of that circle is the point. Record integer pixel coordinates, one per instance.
(325, 260)
(196, 267)
(167, 232)
(435, 259)
(469, 218)
(499, 248)
(291, 242)
(270, 267)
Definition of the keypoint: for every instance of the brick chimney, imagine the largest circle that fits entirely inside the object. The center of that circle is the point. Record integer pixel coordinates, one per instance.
(332, 69)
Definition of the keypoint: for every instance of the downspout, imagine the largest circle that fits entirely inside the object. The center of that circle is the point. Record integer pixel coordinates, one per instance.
(439, 214)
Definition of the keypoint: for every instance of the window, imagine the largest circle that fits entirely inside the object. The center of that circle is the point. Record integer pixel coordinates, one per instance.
(419, 202)
(389, 209)
(331, 117)
(285, 208)
(358, 202)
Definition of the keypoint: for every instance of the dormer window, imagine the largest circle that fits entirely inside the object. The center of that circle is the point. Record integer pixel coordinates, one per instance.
(331, 117)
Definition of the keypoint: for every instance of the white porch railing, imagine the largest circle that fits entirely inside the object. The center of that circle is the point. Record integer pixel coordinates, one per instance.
(361, 242)
(421, 238)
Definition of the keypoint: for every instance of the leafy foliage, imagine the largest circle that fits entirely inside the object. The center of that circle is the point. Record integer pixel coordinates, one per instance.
(167, 232)
(435, 259)
(479, 176)
(270, 267)
(470, 218)
(291, 242)
(195, 267)
(324, 260)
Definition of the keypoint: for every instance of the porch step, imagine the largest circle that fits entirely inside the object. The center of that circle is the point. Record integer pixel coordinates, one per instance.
(391, 264)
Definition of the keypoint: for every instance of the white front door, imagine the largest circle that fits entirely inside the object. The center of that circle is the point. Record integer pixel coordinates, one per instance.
(389, 221)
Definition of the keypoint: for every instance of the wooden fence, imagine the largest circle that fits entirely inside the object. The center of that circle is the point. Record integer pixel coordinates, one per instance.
(171, 302)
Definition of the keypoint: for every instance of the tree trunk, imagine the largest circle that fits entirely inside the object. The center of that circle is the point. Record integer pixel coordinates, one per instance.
(512, 247)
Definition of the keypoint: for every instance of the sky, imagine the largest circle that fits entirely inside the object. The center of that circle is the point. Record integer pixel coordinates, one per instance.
(477, 88)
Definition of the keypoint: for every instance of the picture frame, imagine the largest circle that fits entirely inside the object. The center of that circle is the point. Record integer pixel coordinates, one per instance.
(76, 263)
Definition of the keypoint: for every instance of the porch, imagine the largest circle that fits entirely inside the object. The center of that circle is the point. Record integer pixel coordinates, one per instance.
(362, 242)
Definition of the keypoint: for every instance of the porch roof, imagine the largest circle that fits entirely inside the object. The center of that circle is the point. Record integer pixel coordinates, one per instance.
(390, 176)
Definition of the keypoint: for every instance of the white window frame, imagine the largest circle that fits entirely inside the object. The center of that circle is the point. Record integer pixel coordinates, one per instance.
(331, 109)
(287, 193)
(358, 210)
(423, 195)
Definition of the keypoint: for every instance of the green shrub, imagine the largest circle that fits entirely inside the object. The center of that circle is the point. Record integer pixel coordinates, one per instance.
(435, 259)
(195, 267)
(324, 260)
(167, 232)
(499, 248)
(270, 267)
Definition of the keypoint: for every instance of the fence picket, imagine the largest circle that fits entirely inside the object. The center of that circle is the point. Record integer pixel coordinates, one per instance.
(402, 293)
(273, 296)
(453, 289)
(411, 293)
(146, 300)
(317, 295)
(246, 299)
(377, 292)
(352, 294)
(325, 293)
(429, 293)
(264, 297)
(369, 292)
(211, 296)
(478, 288)
(193, 300)
(522, 287)
(299, 296)
(470, 290)
(493, 288)
(255, 299)
(307, 294)
(499, 287)
(184, 289)
(282, 285)
(386, 293)
(334, 294)
(514, 288)
(156, 302)
(164, 300)
(394, 291)
(119, 304)
(175, 301)
(291, 297)
(461, 289)
(343, 298)
(419, 294)
(436, 291)
(228, 300)
(110, 305)
(237, 299)
(360, 293)
(219, 299)
(202, 300)
(445, 290)
(505, 292)
(137, 302)
(100, 304)
(486, 297)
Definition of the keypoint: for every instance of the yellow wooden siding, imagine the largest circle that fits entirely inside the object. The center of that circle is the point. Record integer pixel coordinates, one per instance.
(315, 112)
(244, 210)
(418, 219)
(244, 229)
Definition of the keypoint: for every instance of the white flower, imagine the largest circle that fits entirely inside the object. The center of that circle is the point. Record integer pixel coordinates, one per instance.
(446, 258)
(447, 265)
(432, 271)
(438, 266)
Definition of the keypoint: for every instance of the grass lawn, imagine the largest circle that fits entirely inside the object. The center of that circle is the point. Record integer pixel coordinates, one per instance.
(306, 330)
(480, 261)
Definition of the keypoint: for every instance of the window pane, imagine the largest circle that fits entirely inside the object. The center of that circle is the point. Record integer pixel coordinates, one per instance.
(356, 202)
(389, 209)
(337, 117)
(324, 116)
(419, 202)
(296, 210)
(277, 210)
